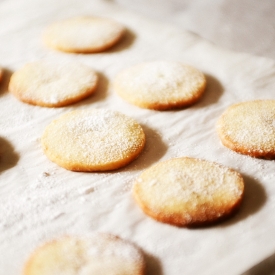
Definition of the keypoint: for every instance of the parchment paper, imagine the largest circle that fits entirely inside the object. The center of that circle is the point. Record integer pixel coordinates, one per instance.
(40, 201)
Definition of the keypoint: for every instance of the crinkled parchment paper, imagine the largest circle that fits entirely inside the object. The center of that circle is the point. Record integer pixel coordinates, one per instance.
(40, 201)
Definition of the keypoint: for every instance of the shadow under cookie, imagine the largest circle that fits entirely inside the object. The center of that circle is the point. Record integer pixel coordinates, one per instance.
(8, 155)
(212, 94)
(153, 265)
(154, 150)
(254, 199)
(126, 42)
(4, 83)
(100, 93)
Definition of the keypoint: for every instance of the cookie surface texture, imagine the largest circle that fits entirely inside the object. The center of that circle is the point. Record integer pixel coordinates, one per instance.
(83, 34)
(188, 192)
(99, 254)
(249, 128)
(160, 85)
(52, 84)
(93, 140)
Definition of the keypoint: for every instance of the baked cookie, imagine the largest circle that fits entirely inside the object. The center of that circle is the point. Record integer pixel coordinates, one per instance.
(160, 85)
(83, 34)
(249, 128)
(52, 84)
(99, 254)
(93, 140)
(188, 192)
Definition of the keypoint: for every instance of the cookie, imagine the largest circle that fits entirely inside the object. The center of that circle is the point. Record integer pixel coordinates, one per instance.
(93, 140)
(249, 128)
(53, 84)
(188, 191)
(160, 85)
(99, 254)
(83, 34)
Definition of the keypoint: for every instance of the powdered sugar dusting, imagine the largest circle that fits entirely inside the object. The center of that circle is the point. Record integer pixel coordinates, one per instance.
(86, 255)
(250, 126)
(162, 75)
(83, 34)
(98, 123)
(97, 137)
(190, 184)
(105, 245)
(160, 81)
(40, 205)
(51, 84)
(199, 178)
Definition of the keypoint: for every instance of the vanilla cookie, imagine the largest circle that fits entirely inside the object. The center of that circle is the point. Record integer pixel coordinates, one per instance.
(187, 191)
(99, 254)
(160, 85)
(52, 84)
(93, 140)
(83, 34)
(249, 128)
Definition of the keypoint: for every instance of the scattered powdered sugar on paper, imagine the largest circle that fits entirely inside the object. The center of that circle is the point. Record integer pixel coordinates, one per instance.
(35, 205)
(224, 242)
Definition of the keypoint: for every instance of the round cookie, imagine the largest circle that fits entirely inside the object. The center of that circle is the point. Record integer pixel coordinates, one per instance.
(52, 84)
(83, 34)
(249, 128)
(188, 192)
(99, 254)
(93, 140)
(160, 85)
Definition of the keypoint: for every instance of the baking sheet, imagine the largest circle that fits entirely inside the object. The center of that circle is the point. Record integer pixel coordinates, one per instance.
(40, 201)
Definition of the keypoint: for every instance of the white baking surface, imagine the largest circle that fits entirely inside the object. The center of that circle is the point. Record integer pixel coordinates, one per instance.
(40, 201)
(239, 25)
